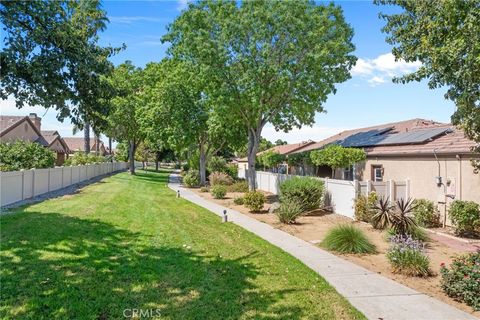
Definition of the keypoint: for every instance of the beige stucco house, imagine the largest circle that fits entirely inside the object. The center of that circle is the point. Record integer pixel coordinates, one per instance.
(28, 128)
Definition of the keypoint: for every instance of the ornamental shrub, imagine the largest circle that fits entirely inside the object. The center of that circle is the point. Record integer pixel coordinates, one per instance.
(238, 201)
(347, 238)
(218, 191)
(232, 170)
(289, 211)
(306, 191)
(81, 158)
(220, 178)
(406, 256)
(365, 207)
(204, 189)
(217, 164)
(462, 280)
(191, 178)
(465, 216)
(425, 213)
(239, 186)
(254, 200)
(25, 155)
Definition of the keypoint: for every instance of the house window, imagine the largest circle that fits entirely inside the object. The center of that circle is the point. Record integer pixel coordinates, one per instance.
(377, 173)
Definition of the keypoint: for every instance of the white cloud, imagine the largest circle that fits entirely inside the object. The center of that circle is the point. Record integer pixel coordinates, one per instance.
(315, 133)
(182, 4)
(382, 68)
(132, 19)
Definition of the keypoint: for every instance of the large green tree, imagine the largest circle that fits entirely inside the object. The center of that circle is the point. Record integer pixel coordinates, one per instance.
(335, 157)
(51, 57)
(268, 61)
(179, 110)
(126, 112)
(445, 37)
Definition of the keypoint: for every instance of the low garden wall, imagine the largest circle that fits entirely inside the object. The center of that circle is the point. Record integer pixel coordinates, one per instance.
(24, 184)
(340, 194)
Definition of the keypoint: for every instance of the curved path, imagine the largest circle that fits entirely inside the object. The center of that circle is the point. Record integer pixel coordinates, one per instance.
(375, 296)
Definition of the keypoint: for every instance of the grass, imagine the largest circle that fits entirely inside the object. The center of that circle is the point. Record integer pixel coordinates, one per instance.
(129, 243)
(347, 239)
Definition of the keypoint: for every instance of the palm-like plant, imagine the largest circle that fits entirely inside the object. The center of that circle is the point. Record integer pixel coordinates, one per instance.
(384, 216)
(403, 222)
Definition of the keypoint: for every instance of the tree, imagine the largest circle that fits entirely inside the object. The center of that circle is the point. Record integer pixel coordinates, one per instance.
(270, 159)
(445, 37)
(280, 142)
(126, 108)
(51, 55)
(184, 115)
(269, 61)
(299, 160)
(25, 155)
(335, 156)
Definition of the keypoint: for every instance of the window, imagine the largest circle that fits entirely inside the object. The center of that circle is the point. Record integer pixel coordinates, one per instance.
(377, 173)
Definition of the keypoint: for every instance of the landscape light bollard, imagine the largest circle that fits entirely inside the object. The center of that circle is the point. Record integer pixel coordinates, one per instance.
(178, 193)
(225, 217)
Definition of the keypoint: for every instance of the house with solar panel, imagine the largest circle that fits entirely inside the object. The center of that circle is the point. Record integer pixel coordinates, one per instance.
(434, 158)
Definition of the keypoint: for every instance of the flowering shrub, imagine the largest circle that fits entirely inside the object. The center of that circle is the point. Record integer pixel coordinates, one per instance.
(254, 200)
(425, 213)
(465, 216)
(407, 256)
(238, 200)
(219, 191)
(365, 207)
(192, 178)
(462, 280)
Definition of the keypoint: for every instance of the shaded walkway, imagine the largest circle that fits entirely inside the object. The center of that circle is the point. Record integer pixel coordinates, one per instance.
(375, 296)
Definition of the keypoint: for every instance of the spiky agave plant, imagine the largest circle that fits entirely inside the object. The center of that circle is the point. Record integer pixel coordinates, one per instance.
(384, 216)
(403, 222)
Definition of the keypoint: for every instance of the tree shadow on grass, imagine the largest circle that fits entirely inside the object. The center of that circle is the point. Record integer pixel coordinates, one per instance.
(57, 266)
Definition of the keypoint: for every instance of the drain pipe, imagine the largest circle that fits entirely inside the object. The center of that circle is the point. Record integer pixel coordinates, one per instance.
(440, 183)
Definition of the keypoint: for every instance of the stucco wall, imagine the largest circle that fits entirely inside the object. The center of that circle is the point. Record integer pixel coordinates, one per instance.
(22, 132)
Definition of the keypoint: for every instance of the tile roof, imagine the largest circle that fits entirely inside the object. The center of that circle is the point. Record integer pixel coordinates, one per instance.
(450, 143)
(8, 121)
(50, 135)
(284, 149)
(77, 144)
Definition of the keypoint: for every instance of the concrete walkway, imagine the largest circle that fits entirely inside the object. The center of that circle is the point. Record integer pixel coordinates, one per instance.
(375, 296)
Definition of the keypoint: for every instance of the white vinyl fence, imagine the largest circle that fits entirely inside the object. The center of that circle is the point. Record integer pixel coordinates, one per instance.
(340, 194)
(25, 184)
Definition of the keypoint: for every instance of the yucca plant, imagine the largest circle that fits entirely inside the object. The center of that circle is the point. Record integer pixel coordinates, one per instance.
(384, 216)
(403, 222)
(347, 239)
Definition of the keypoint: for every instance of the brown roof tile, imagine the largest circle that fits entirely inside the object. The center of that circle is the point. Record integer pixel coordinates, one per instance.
(77, 144)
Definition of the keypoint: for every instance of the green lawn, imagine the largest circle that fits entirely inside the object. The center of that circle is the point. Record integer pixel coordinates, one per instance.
(128, 243)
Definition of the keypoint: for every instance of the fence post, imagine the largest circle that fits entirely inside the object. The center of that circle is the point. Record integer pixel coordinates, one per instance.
(33, 182)
(356, 185)
(48, 189)
(391, 191)
(23, 183)
(369, 187)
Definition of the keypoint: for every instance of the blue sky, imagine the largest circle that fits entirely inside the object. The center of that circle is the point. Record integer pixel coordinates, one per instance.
(368, 98)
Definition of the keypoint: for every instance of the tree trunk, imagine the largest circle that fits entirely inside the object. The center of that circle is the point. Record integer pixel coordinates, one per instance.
(333, 173)
(203, 164)
(110, 148)
(86, 137)
(131, 156)
(157, 159)
(97, 144)
(253, 141)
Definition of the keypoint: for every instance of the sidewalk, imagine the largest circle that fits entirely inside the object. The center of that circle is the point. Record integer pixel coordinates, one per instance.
(375, 296)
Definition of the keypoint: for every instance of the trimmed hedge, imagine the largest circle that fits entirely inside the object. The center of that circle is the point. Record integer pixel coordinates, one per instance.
(306, 191)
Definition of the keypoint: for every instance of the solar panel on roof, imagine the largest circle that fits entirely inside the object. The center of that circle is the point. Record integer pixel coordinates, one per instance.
(371, 138)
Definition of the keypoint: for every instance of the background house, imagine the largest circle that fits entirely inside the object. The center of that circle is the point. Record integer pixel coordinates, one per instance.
(28, 128)
(78, 145)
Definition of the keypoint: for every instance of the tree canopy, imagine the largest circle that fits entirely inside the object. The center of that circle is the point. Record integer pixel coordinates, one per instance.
(270, 159)
(335, 156)
(267, 61)
(445, 37)
(51, 55)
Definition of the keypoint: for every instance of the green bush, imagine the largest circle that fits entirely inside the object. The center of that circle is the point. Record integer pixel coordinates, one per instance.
(232, 170)
(462, 280)
(306, 191)
(217, 164)
(204, 189)
(25, 155)
(239, 186)
(365, 207)
(254, 200)
(220, 178)
(191, 178)
(289, 211)
(406, 257)
(238, 201)
(81, 158)
(465, 216)
(218, 191)
(347, 238)
(425, 213)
